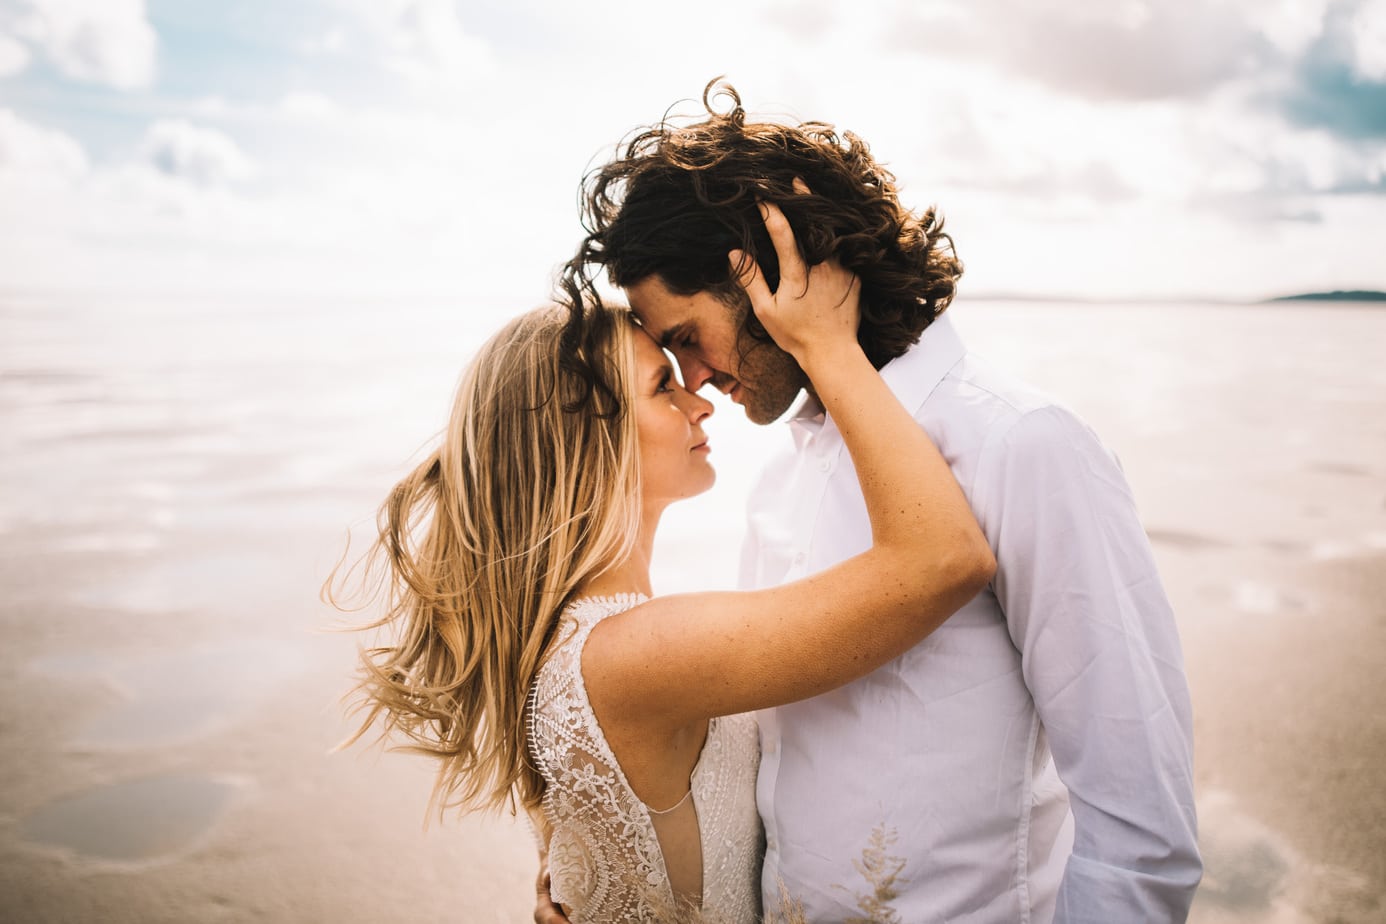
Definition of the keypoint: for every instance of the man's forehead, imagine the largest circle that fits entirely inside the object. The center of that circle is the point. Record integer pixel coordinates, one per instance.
(659, 335)
(647, 297)
(658, 316)
(669, 317)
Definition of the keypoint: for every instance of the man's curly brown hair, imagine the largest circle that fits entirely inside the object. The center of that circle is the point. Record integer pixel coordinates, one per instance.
(677, 198)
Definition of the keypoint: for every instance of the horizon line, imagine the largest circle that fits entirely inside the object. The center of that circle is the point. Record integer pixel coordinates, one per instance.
(1342, 295)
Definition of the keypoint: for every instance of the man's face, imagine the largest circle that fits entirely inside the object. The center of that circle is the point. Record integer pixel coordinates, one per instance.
(707, 337)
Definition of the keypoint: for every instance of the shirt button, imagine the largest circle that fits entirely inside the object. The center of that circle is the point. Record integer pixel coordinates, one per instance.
(825, 465)
(799, 558)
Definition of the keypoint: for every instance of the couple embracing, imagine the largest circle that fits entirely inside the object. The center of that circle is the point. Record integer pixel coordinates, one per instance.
(950, 689)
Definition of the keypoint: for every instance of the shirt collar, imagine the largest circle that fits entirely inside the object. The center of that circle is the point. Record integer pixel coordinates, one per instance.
(911, 377)
(805, 419)
(914, 375)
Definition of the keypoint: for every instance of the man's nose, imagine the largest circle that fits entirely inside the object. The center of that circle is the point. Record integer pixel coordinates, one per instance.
(695, 373)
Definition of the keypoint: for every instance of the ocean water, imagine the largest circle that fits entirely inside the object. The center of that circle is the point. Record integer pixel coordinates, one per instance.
(179, 477)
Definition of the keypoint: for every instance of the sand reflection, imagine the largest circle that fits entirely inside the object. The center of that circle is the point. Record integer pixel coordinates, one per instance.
(135, 820)
(176, 696)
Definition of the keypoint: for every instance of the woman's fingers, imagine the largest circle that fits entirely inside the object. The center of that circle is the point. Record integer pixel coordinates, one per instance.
(747, 273)
(810, 303)
(793, 273)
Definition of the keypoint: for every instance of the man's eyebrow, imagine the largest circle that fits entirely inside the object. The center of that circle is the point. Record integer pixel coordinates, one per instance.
(666, 339)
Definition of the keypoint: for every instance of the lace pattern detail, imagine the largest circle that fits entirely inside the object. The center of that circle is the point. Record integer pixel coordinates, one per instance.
(605, 860)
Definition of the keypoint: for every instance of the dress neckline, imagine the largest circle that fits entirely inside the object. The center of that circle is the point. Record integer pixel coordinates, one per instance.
(628, 598)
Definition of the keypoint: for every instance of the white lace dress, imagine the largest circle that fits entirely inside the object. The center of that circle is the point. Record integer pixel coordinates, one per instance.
(605, 856)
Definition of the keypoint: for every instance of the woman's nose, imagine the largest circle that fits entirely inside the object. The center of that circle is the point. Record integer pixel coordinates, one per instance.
(696, 406)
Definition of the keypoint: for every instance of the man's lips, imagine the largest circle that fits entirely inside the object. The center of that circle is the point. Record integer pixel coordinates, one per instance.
(702, 447)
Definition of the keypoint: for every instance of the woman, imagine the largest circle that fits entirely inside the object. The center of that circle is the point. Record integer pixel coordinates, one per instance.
(530, 656)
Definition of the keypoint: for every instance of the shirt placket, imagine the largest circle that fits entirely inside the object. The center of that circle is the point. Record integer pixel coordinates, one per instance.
(814, 464)
(819, 446)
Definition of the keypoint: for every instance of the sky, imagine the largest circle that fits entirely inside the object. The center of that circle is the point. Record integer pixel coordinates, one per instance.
(1230, 149)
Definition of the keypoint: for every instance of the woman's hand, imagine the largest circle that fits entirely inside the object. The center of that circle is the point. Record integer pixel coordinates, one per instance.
(815, 311)
(546, 910)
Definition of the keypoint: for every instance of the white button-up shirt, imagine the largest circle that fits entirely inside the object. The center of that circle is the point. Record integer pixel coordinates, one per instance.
(1032, 758)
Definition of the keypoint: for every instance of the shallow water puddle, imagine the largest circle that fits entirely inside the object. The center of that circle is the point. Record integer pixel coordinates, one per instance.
(175, 696)
(134, 820)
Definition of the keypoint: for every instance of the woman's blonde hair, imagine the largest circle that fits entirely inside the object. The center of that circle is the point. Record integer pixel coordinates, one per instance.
(533, 490)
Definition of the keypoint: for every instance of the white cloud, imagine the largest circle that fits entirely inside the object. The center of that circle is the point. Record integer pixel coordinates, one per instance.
(14, 56)
(30, 149)
(42, 177)
(1369, 41)
(213, 107)
(424, 42)
(1129, 51)
(178, 148)
(1290, 26)
(100, 41)
(1312, 161)
(331, 42)
(305, 105)
(430, 43)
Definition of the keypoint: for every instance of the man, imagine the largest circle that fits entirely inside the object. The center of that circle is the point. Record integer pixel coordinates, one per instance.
(1032, 759)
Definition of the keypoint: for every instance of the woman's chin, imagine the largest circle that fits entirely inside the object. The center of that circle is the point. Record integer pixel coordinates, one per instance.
(703, 484)
(711, 480)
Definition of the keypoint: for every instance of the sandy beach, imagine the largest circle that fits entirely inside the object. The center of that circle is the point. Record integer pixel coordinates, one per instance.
(179, 479)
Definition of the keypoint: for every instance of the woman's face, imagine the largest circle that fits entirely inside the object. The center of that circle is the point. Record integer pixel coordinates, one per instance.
(668, 418)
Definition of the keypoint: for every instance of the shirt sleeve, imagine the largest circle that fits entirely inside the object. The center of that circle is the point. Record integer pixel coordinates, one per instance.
(1100, 654)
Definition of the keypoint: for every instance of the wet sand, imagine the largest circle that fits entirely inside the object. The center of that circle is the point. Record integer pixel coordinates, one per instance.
(170, 769)
(170, 698)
